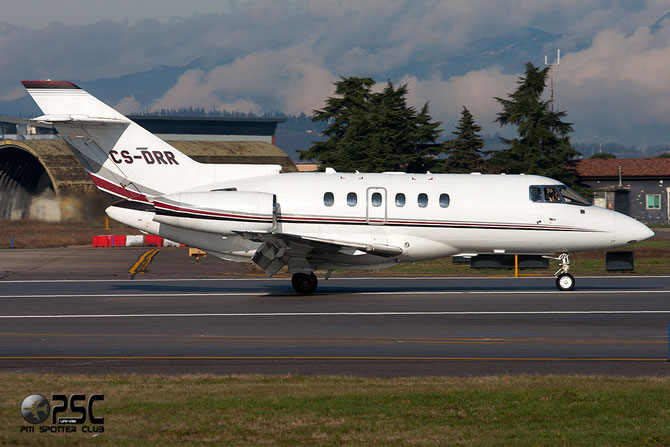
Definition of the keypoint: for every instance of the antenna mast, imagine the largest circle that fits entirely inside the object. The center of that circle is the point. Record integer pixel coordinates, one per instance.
(553, 73)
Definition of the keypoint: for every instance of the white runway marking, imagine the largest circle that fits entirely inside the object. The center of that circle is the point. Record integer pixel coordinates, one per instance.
(365, 278)
(400, 292)
(348, 314)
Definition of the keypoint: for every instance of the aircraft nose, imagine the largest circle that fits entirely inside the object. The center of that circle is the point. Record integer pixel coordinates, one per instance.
(629, 231)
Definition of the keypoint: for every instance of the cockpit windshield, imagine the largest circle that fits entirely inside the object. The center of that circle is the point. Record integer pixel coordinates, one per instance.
(569, 196)
(556, 194)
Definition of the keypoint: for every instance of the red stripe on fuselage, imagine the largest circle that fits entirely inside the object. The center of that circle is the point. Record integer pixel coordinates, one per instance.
(345, 221)
(116, 189)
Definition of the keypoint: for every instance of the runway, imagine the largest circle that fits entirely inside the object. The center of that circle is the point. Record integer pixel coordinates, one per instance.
(362, 326)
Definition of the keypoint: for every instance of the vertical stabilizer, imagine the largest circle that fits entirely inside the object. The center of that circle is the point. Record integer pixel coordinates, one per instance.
(122, 158)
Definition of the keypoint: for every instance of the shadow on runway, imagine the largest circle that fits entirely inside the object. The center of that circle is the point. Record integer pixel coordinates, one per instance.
(380, 286)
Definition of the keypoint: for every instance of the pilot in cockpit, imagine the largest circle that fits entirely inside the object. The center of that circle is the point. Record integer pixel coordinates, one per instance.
(551, 195)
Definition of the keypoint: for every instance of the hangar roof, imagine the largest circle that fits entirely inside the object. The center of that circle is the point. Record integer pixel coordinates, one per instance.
(255, 152)
(208, 125)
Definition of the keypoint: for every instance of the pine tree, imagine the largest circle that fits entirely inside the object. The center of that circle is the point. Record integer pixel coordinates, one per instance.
(345, 115)
(374, 132)
(542, 146)
(464, 151)
(603, 155)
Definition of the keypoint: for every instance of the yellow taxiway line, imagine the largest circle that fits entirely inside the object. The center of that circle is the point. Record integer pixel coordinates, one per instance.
(290, 357)
(143, 261)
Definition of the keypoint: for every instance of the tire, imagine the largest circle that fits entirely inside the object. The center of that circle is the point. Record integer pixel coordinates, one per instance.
(565, 282)
(304, 283)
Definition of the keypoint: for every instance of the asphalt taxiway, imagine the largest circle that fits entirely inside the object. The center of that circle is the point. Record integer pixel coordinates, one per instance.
(363, 326)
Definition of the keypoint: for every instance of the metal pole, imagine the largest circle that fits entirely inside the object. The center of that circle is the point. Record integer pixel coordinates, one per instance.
(551, 78)
(516, 266)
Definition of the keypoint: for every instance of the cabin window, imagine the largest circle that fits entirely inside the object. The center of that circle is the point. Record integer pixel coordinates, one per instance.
(328, 199)
(535, 193)
(572, 197)
(423, 200)
(444, 200)
(352, 199)
(653, 201)
(376, 199)
(400, 200)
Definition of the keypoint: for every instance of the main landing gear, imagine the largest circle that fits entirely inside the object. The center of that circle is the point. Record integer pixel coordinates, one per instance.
(564, 280)
(304, 283)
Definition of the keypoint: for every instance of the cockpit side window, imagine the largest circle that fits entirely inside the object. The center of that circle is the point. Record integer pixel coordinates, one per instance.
(572, 197)
(536, 193)
(556, 194)
(551, 194)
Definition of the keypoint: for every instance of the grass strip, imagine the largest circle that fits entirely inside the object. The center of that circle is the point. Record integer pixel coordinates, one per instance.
(148, 410)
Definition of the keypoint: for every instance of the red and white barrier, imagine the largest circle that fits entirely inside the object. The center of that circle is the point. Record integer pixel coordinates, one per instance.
(133, 240)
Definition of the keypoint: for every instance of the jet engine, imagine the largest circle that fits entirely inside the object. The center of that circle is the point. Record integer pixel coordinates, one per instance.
(220, 212)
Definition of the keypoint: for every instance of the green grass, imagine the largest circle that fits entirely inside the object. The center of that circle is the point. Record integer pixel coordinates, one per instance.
(299, 411)
(651, 258)
(37, 234)
(445, 266)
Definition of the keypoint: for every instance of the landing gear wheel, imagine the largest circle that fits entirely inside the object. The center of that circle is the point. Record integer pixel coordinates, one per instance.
(304, 283)
(565, 282)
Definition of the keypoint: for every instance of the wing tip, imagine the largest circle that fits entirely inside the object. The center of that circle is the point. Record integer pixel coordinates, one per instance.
(52, 85)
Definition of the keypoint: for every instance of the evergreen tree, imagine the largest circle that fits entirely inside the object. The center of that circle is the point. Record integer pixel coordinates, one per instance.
(464, 151)
(603, 155)
(373, 132)
(542, 146)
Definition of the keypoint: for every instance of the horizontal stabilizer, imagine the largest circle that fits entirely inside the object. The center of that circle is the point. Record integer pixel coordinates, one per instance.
(62, 99)
(83, 119)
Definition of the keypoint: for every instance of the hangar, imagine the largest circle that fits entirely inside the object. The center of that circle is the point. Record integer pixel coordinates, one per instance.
(41, 179)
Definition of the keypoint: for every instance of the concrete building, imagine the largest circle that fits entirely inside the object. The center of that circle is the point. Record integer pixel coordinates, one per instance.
(41, 179)
(638, 187)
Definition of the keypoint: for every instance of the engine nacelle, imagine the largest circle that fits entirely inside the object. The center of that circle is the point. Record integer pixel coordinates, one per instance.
(220, 212)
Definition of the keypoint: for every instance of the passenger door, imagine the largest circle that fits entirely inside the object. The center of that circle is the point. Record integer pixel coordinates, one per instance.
(376, 206)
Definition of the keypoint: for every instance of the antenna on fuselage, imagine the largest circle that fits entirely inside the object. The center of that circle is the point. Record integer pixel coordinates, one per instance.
(554, 73)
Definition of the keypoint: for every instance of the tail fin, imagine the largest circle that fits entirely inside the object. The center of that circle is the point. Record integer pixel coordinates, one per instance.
(122, 158)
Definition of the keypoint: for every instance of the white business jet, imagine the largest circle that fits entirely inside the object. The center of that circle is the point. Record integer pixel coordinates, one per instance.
(330, 220)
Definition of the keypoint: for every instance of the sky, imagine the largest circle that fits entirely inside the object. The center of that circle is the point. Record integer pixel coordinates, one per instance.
(268, 55)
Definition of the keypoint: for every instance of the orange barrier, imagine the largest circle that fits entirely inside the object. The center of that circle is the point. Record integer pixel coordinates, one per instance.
(101, 241)
(153, 241)
(124, 240)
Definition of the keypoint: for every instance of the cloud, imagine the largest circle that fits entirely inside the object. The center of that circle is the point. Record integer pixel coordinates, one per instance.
(375, 36)
(194, 89)
(128, 105)
(265, 55)
(289, 79)
(475, 90)
(618, 85)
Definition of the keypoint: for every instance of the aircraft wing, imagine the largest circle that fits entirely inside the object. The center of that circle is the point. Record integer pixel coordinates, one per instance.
(280, 249)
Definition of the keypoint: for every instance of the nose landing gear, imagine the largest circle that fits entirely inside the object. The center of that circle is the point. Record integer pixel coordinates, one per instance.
(564, 280)
(304, 283)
